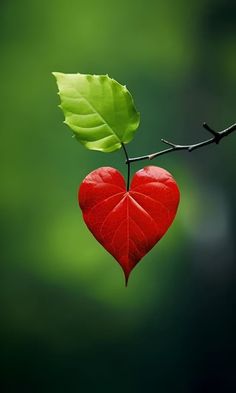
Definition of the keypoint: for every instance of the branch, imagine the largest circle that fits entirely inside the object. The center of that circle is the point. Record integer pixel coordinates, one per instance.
(217, 136)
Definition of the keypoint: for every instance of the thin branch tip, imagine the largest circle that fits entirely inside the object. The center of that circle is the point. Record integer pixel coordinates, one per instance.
(168, 143)
(209, 129)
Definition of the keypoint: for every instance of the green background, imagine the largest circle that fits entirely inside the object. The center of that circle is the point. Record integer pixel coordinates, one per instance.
(68, 324)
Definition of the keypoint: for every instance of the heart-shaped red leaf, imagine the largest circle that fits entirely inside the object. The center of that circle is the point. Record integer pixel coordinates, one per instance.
(128, 223)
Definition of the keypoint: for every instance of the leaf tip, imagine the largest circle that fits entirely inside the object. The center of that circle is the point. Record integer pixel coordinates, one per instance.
(58, 75)
(55, 74)
(126, 274)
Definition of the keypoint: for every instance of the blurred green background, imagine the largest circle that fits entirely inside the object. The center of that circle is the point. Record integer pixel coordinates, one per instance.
(68, 324)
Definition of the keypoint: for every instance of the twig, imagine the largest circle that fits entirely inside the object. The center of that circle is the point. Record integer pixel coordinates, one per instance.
(217, 136)
(128, 163)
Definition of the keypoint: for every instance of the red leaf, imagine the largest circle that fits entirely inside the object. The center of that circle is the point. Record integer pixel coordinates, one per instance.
(128, 223)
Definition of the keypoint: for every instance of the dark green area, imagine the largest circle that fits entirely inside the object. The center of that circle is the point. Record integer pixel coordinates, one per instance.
(68, 324)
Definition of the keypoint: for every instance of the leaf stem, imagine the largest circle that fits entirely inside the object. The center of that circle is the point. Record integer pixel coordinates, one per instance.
(217, 136)
(128, 163)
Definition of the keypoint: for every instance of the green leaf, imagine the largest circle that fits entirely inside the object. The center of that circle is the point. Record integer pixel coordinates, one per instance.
(100, 111)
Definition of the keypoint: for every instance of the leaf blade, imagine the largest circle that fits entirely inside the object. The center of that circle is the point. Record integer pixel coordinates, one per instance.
(128, 223)
(99, 110)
